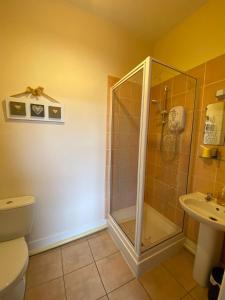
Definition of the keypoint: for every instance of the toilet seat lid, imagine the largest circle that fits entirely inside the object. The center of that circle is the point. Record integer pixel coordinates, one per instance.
(13, 261)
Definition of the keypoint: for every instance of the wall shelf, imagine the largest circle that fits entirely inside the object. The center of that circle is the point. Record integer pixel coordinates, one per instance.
(216, 158)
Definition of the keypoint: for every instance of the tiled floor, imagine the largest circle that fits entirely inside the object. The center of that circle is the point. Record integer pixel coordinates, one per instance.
(92, 268)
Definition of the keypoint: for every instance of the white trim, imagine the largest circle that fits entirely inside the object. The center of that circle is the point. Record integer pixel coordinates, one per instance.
(125, 214)
(131, 73)
(41, 245)
(146, 66)
(142, 153)
(172, 67)
(108, 183)
(150, 258)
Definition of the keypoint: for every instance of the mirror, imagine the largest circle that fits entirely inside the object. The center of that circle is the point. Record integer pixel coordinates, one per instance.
(214, 130)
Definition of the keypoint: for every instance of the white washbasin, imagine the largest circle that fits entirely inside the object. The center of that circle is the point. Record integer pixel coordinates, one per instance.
(207, 212)
(211, 233)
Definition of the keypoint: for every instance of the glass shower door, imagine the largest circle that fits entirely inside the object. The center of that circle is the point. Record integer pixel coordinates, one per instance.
(168, 153)
(129, 96)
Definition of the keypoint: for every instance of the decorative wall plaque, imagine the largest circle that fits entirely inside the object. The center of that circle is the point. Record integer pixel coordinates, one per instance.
(34, 105)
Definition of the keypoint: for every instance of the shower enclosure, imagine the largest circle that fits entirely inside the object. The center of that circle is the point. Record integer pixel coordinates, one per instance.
(152, 110)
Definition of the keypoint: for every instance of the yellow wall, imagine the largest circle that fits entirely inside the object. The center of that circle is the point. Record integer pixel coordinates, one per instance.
(199, 38)
(70, 53)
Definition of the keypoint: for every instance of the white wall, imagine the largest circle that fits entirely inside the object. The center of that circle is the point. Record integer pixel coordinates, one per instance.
(70, 53)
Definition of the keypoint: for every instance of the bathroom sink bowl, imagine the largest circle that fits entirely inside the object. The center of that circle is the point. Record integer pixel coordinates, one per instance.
(211, 233)
(207, 212)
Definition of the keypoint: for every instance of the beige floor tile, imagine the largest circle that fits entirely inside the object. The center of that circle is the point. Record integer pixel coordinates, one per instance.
(84, 284)
(161, 285)
(132, 291)
(114, 271)
(97, 234)
(102, 246)
(44, 267)
(199, 293)
(52, 290)
(75, 242)
(104, 298)
(76, 256)
(181, 267)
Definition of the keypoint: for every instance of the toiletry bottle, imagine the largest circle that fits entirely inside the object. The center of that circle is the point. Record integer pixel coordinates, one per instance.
(221, 197)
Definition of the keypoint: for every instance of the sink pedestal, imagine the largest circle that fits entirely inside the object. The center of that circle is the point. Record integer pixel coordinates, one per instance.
(209, 247)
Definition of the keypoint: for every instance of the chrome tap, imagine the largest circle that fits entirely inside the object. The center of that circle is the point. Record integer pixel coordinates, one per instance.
(209, 197)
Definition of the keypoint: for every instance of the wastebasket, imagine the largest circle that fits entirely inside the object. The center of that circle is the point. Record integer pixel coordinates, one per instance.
(216, 278)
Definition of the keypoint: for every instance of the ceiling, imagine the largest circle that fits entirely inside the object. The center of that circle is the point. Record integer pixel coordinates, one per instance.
(146, 19)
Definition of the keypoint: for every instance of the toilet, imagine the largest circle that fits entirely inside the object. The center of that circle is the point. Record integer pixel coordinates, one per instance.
(16, 217)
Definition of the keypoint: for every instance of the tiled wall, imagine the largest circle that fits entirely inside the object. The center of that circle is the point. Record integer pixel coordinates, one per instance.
(168, 152)
(204, 175)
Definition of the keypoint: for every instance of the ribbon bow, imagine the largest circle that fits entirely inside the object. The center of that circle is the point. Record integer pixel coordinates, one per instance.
(35, 92)
(39, 91)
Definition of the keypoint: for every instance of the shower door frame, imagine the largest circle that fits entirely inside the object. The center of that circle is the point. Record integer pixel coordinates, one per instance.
(143, 134)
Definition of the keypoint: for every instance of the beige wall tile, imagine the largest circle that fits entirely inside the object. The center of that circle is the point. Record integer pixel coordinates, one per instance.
(215, 69)
(179, 84)
(188, 297)
(210, 93)
(220, 175)
(199, 73)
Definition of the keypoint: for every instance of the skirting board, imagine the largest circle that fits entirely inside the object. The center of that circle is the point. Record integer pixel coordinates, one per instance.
(50, 242)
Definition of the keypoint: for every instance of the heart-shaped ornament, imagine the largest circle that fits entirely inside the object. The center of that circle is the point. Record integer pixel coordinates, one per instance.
(55, 110)
(17, 106)
(37, 109)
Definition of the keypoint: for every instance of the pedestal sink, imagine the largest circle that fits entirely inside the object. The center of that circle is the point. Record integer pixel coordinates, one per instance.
(211, 233)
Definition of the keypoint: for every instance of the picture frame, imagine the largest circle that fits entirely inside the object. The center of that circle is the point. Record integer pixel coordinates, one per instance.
(32, 109)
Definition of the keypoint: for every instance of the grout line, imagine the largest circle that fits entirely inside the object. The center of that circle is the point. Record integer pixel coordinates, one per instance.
(130, 280)
(92, 262)
(173, 276)
(78, 269)
(73, 243)
(64, 284)
(97, 260)
(148, 293)
(97, 269)
(42, 283)
(100, 274)
(213, 82)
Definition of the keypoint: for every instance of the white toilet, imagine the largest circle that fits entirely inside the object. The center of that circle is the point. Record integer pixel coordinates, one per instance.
(16, 216)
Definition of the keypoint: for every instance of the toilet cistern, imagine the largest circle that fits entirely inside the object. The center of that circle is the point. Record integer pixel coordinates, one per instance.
(16, 218)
